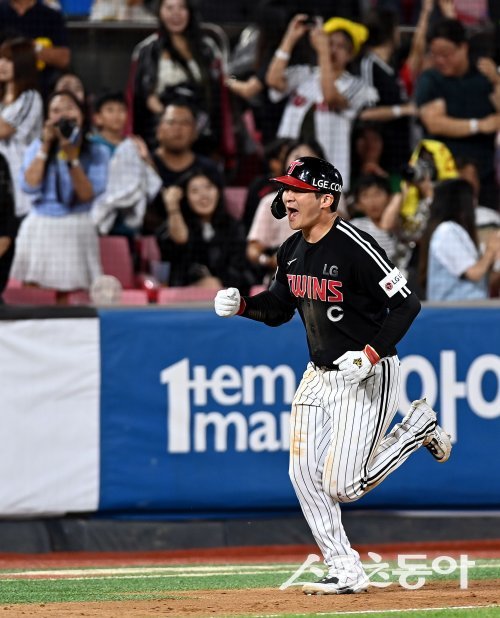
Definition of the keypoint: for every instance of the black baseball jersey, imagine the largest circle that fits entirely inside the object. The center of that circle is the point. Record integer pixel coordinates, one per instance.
(343, 286)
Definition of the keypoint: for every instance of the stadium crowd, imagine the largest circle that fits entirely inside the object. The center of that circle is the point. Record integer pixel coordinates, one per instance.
(412, 123)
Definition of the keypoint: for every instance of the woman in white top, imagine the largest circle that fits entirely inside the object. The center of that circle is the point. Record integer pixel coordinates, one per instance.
(21, 110)
(177, 61)
(451, 261)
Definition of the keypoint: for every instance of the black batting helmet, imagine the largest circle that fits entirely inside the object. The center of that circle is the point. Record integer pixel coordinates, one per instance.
(308, 174)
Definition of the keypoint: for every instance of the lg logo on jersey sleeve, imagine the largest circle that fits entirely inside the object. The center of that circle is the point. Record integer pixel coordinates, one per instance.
(393, 282)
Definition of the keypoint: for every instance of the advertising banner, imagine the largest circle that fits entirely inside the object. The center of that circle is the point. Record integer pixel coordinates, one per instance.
(195, 411)
(49, 414)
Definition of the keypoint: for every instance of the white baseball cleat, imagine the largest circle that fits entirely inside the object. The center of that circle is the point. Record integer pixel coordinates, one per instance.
(437, 441)
(341, 583)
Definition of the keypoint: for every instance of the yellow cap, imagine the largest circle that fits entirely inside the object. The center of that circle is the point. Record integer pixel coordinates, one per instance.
(357, 32)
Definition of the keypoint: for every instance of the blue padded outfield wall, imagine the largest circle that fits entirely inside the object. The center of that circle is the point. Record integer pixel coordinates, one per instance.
(182, 414)
(195, 408)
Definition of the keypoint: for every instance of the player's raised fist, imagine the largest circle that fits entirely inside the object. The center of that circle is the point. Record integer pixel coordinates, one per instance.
(227, 302)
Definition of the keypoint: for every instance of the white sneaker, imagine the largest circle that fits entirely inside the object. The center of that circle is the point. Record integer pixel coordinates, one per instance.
(341, 583)
(437, 441)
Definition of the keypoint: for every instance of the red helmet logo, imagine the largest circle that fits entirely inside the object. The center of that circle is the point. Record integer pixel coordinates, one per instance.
(292, 166)
(388, 286)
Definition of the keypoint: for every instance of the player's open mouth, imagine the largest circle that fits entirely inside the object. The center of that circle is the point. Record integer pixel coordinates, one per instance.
(292, 212)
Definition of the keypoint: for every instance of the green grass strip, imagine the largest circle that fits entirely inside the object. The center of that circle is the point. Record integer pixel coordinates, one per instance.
(165, 586)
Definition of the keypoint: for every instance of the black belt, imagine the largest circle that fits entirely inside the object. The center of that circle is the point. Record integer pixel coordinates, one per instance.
(327, 367)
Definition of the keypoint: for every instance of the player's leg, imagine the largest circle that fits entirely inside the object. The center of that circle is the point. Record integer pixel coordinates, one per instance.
(361, 455)
(310, 438)
(361, 415)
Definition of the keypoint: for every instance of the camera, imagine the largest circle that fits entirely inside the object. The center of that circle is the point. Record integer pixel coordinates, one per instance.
(68, 128)
(421, 170)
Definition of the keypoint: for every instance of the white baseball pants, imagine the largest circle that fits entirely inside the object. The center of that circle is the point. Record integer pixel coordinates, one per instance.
(339, 449)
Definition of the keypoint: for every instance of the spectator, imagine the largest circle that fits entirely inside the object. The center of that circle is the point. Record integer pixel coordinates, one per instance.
(451, 265)
(486, 218)
(45, 26)
(174, 156)
(322, 100)
(367, 150)
(70, 81)
(393, 108)
(21, 110)
(110, 120)
(455, 105)
(203, 243)
(274, 156)
(8, 223)
(418, 58)
(132, 179)
(373, 200)
(267, 233)
(63, 173)
(176, 61)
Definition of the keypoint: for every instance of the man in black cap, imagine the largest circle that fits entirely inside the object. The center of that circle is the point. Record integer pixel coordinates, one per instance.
(355, 306)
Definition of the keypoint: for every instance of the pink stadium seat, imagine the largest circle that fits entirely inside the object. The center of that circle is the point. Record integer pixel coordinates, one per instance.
(116, 259)
(257, 289)
(148, 250)
(235, 198)
(134, 297)
(14, 283)
(29, 296)
(177, 295)
(128, 297)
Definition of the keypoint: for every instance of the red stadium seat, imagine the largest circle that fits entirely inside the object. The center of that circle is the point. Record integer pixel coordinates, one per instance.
(29, 296)
(235, 198)
(116, 259)
(188, 294)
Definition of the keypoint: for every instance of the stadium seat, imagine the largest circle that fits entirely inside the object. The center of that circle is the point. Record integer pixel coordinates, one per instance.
(26, 295)
(235, 198)
(128, 297)
(257, 289)
(116, 259)
(188, 294)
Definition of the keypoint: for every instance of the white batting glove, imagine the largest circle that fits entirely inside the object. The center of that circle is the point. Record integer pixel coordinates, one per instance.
(355, 366)
(227, 302)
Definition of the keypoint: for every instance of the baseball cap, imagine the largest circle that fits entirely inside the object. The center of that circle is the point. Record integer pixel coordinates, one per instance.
(357, 32)
(311, 174)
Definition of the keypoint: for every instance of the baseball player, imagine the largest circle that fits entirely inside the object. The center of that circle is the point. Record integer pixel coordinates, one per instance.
(355, 306)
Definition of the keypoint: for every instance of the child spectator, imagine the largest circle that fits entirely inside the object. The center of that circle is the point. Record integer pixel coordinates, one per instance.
(132, 179)
(381, 215)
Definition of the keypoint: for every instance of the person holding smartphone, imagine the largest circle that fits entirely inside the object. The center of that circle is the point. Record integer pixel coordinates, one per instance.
(63, 172)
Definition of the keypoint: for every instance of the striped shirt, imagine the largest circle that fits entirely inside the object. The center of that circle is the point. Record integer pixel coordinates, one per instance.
(333, 129)
(25, 115)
